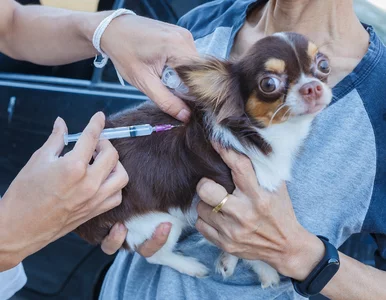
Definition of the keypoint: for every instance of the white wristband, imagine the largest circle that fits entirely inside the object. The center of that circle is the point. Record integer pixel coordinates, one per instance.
(96, 39)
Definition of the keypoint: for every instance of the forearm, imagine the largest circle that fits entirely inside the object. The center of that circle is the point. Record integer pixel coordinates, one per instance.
(10, 255)
(49, 36)
(353, 281)
(356, 281)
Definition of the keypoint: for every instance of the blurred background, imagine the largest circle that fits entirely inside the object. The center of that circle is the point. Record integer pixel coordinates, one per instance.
(32, 96)
(373, 12)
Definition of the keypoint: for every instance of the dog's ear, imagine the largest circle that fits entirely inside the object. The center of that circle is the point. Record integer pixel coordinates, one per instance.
(214, 85)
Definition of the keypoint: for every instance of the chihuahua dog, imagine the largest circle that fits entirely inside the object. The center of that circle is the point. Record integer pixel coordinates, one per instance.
(261, 106)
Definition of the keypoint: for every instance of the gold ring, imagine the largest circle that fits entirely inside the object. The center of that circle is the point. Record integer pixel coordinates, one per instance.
(221, 204)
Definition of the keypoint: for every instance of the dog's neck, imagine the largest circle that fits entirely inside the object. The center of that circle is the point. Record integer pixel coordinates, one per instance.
(285, 140)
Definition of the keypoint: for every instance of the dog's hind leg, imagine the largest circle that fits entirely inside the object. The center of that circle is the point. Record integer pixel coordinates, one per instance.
(141, 228)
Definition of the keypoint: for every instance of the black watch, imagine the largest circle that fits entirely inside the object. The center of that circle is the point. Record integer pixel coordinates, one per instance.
(321, 274)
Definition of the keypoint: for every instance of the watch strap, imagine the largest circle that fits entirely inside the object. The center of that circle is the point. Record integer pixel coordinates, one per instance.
(321, 274)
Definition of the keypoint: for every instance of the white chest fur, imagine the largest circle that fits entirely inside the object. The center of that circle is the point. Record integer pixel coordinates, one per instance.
(285, 139)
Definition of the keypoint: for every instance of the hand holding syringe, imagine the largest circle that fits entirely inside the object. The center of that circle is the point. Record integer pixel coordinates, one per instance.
(123, 132)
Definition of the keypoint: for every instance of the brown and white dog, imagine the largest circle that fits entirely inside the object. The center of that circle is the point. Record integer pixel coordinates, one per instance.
(261, 106)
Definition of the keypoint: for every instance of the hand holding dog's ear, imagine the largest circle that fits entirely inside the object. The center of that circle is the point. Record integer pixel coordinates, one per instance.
(140, 48)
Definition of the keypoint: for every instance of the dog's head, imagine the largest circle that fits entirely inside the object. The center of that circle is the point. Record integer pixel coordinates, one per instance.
(282, 76)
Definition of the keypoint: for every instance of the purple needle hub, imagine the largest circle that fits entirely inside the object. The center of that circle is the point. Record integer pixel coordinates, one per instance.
(165, 127)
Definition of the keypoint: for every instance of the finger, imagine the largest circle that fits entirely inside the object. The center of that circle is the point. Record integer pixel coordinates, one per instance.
(114, 183)
(55, 142)
(186, 50)
(113, 242)
(105, 161)
(216, 220)
(109, 203)
(165, 100)
(98, 206)
(159, 238)
(85, 146)
(209, 232)
(243, 173)
(212, 193)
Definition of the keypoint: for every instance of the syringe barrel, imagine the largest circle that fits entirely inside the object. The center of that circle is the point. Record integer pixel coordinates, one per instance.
(115, 133)
(129, 131)
(69, 138)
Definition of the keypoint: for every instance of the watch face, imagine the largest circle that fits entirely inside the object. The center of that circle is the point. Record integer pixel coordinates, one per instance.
(324, 276)
(333, 261)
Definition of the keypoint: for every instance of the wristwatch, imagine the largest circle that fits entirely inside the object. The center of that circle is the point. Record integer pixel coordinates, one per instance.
(321, 274)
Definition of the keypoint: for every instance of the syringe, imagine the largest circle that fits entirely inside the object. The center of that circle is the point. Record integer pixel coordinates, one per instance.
(171, 79)
(123, 132)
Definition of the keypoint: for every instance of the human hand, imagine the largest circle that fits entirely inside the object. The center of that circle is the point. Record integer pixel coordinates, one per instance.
(255, 224)
(140, 48)
(118, 233)
(53, 195)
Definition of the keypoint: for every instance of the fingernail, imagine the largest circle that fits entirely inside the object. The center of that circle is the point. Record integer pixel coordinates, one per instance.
(122, 228)
(183, 115)
(166, 228)
(100, 114)
(57, 122)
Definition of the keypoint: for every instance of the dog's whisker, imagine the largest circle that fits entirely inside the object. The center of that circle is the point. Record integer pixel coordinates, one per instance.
(275, 113)
(288, 111)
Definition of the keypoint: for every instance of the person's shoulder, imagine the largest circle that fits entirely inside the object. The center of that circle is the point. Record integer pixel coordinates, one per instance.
(370, 81)
(205, 18)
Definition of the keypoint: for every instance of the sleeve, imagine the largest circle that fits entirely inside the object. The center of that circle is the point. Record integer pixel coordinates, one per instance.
(203, 19)
(196, 15)
(12, 281)
(373, 91)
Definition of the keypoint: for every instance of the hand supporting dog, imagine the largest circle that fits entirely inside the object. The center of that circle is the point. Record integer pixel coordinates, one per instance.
(255, 224)
(117, 235)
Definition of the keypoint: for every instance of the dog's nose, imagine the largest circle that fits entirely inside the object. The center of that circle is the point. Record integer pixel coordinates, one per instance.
(311, 91)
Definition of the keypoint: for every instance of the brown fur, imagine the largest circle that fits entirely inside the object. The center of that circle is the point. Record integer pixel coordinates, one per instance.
(163, 168)
(267, 113)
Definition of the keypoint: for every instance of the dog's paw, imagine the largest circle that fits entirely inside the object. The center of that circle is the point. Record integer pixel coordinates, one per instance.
(192, 267)
(269, 278)
(226, 264)
(195, 268)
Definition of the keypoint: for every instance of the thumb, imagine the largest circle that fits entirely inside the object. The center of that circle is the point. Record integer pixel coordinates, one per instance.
(243, 173)
(165, 100)
(159, 238)
(55, 142)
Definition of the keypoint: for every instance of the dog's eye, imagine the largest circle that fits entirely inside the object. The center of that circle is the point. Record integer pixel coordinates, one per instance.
(269, 84)
(324, 66)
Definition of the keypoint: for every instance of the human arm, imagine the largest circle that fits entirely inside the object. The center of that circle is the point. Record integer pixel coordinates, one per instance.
(52, 194)
(258, 225)
(139, 47)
